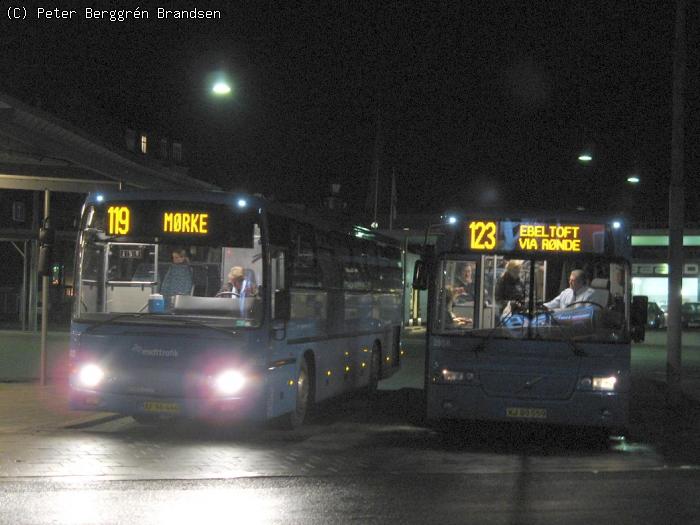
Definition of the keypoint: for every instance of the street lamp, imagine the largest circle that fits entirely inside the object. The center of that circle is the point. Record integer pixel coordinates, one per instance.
(585, 157)
(633, 179)
(221, 88)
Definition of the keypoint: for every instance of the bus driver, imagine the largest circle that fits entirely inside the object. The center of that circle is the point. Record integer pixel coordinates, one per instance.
(577, 291)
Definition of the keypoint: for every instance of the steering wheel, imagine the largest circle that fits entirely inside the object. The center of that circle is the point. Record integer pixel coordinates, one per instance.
(228, 294)
(587, 302)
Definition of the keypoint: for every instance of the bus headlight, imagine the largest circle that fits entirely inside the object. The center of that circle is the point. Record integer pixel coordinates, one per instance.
(90, 375)
(601, 383)
(604, 383)
(229, 382)
(453, 376)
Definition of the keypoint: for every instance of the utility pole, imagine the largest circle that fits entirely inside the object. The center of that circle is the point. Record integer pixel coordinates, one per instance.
(676, 210)
(43, 357)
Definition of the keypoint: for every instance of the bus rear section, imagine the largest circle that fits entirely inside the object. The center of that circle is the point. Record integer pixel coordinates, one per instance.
(508, 342)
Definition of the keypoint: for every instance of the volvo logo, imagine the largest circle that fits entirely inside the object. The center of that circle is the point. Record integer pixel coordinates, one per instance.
(530, 383)
(154, 352)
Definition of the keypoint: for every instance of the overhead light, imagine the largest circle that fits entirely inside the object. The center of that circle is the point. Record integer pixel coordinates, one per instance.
(221, 88)
(633, 179)
(585, 157)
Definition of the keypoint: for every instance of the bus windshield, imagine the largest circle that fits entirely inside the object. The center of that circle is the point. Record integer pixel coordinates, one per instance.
(499, 296)
(155, 266)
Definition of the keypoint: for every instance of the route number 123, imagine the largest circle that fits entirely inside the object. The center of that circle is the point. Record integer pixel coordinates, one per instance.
(482, 235)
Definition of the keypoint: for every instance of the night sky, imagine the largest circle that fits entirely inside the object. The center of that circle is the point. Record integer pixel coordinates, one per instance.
(478, 103)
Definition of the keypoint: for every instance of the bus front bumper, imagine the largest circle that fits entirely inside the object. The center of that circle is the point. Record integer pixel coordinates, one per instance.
(584, 408)
(226, 408)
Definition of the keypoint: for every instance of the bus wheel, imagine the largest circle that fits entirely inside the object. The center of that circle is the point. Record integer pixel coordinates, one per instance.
(295, 418)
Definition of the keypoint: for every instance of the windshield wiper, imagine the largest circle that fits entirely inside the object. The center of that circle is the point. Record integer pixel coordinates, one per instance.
(192, 322)
(567, 336)
(487, 338)
(158, 318)
(112, 319)
(555, 322)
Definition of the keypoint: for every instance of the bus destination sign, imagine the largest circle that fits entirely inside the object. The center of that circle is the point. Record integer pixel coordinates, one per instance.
(527, 236)
(120, 221)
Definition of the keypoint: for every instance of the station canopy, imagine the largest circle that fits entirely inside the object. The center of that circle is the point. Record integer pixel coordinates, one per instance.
(41, 152)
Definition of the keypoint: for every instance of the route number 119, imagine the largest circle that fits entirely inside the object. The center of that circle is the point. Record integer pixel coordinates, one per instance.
(118, 220)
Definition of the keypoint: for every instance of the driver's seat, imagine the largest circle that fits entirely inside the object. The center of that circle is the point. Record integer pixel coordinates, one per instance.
(601, 292)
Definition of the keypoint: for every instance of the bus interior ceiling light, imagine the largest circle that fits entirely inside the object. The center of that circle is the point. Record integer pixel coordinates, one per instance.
(229, 382)
(90, 375)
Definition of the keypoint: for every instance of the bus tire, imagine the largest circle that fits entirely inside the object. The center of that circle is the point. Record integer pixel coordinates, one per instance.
(304, 399)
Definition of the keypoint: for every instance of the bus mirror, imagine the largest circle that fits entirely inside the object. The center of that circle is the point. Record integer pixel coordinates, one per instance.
(420, 279)
(282, 306)
(638, 317)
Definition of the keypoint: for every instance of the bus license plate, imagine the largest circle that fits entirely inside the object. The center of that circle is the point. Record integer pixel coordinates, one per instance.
(528, 413)
(157, 406)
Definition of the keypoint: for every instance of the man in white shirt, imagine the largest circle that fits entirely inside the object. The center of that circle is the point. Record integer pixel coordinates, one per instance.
(578, 291)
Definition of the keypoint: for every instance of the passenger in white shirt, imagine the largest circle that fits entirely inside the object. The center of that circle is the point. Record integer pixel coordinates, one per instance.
(578, 291)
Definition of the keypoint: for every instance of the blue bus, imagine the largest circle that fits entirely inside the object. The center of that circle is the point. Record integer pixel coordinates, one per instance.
(221, 306)
(504, 345)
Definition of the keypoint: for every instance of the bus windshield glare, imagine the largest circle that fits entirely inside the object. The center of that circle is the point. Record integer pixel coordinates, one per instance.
(156, 258)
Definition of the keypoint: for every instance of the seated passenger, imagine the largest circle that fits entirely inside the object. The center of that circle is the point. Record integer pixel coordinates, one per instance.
(464, 285)
(578, 291)
(240, 283)
(452, 319)
(178, 278)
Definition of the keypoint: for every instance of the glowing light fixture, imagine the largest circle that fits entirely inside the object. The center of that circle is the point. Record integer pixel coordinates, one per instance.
(616, 225)
(242, 203)
(221, 88)
(633, 179)
(452, 219)
(229, 382)
(604, 383)
(100, 198)
(90, 375)
(585, 157)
